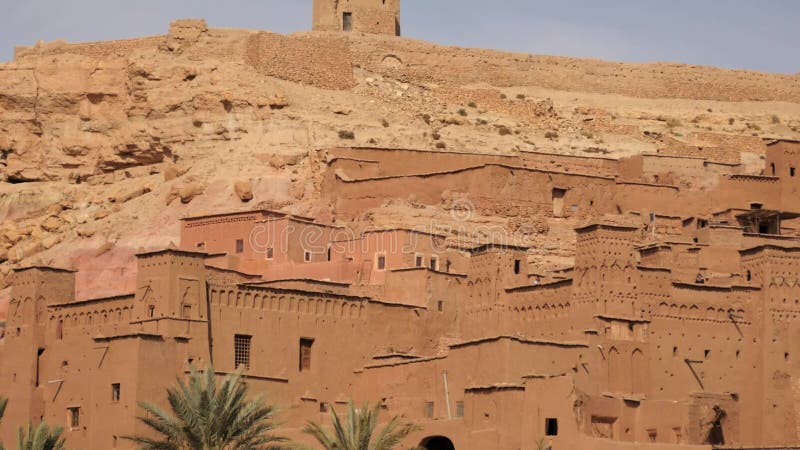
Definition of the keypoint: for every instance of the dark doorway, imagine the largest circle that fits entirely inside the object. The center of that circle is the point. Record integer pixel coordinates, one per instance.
(716, 436)
(437, 443)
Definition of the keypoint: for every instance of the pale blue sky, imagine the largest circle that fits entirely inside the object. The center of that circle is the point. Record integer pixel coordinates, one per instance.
(755, 34)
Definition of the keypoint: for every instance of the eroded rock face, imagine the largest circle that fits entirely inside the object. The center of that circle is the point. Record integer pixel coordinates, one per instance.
(98, 140)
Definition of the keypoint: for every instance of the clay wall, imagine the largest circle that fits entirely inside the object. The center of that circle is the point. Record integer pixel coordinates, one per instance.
(783, 161)
(368, 16)
(739, 191)
(121, 48)
(320, 61)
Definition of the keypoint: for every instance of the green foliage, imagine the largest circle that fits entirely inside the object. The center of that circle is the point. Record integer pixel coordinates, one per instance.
(209, 417)
(3, 403)
(358, 431)
(40, 437)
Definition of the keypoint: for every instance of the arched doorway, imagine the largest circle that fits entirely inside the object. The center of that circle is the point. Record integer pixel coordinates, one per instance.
(437, 443)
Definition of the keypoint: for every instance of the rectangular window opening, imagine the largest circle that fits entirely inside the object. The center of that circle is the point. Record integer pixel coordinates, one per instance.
(270, 253)
(241, 351)
(151, 311)
(305, 353)
(517, 266)
(429, 410)
(440, 306)
(434, 263)
(706, 354)
(551, 426)
(239, 246)
(115, 392)
(459, 409)
(74, 417)
(347, 21)
(186, 311)
(381, 262)
(39, 354)
(418, 262)
(307, 256)
(201, 245)
(791, 171)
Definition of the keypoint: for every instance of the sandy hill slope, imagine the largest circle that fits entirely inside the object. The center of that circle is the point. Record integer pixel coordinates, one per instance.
(104, 146)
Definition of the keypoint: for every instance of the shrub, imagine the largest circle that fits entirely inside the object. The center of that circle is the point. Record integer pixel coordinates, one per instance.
(504, 131)
(731, 120)
(503, 96)
(436, 136)
(462, 112)
(472, 105)
(441, 144)
(427, 118)
(520, 96)
(385, 123)
(673, 122)
(775, 119)
(346, 134)
(587, 134)
(552, 135)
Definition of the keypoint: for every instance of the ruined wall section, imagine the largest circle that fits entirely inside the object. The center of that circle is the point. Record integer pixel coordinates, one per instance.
(321, 61)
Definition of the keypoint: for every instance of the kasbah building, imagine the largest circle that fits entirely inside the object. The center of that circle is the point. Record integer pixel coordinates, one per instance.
(677, 327)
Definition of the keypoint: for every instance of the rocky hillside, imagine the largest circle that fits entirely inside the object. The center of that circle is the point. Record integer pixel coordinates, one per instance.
(104, 146)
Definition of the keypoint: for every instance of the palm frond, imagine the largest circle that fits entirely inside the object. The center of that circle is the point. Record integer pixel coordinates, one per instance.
(357, 430)
(205, 415)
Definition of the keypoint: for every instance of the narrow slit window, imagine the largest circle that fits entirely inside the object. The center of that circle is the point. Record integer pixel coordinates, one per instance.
(115, 392)
(517, 266)
(418, 261)
(239, 246)
(305, 354)
(434, 263)
(381, 262)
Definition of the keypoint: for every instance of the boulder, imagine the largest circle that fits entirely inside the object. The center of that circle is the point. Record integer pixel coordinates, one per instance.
(190, 191)
(244, 189)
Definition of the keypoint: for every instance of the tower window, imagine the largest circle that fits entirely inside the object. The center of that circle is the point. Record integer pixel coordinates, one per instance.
(429, 410)
(459, 409)
(347, 21)
(241, 351)
(59, 329)
(305, 354)
(240, 246)
(418, 261)
(551, 426)
(74, 417)
(434, 263)
(307, 256)
(115, 392)
(186, 311)
(791, 171)
(270, 253)
(151, 311)
(381, 262)
(440, 306)
(517, 266)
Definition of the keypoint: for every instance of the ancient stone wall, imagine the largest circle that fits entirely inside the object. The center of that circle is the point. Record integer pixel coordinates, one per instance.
(321, 61)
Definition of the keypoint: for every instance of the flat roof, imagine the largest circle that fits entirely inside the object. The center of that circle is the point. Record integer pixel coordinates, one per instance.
(42, 267)
(236, 213)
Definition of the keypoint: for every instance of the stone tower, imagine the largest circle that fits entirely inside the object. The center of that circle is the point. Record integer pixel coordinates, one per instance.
(368, 16)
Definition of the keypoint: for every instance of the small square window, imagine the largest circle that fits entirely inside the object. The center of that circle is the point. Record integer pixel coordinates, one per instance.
(551, 426)
(323, 407)
(381, 262)
(201, 245)
(74, 417)
(239, 246)
(652, 435)
(115, 392)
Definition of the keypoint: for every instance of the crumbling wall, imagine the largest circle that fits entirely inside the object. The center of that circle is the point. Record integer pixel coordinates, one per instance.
(321, 61)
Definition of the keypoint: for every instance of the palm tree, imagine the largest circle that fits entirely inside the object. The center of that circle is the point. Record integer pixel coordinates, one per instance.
(40, 437)
(3, 403)
(358, 430)
(207, 417)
